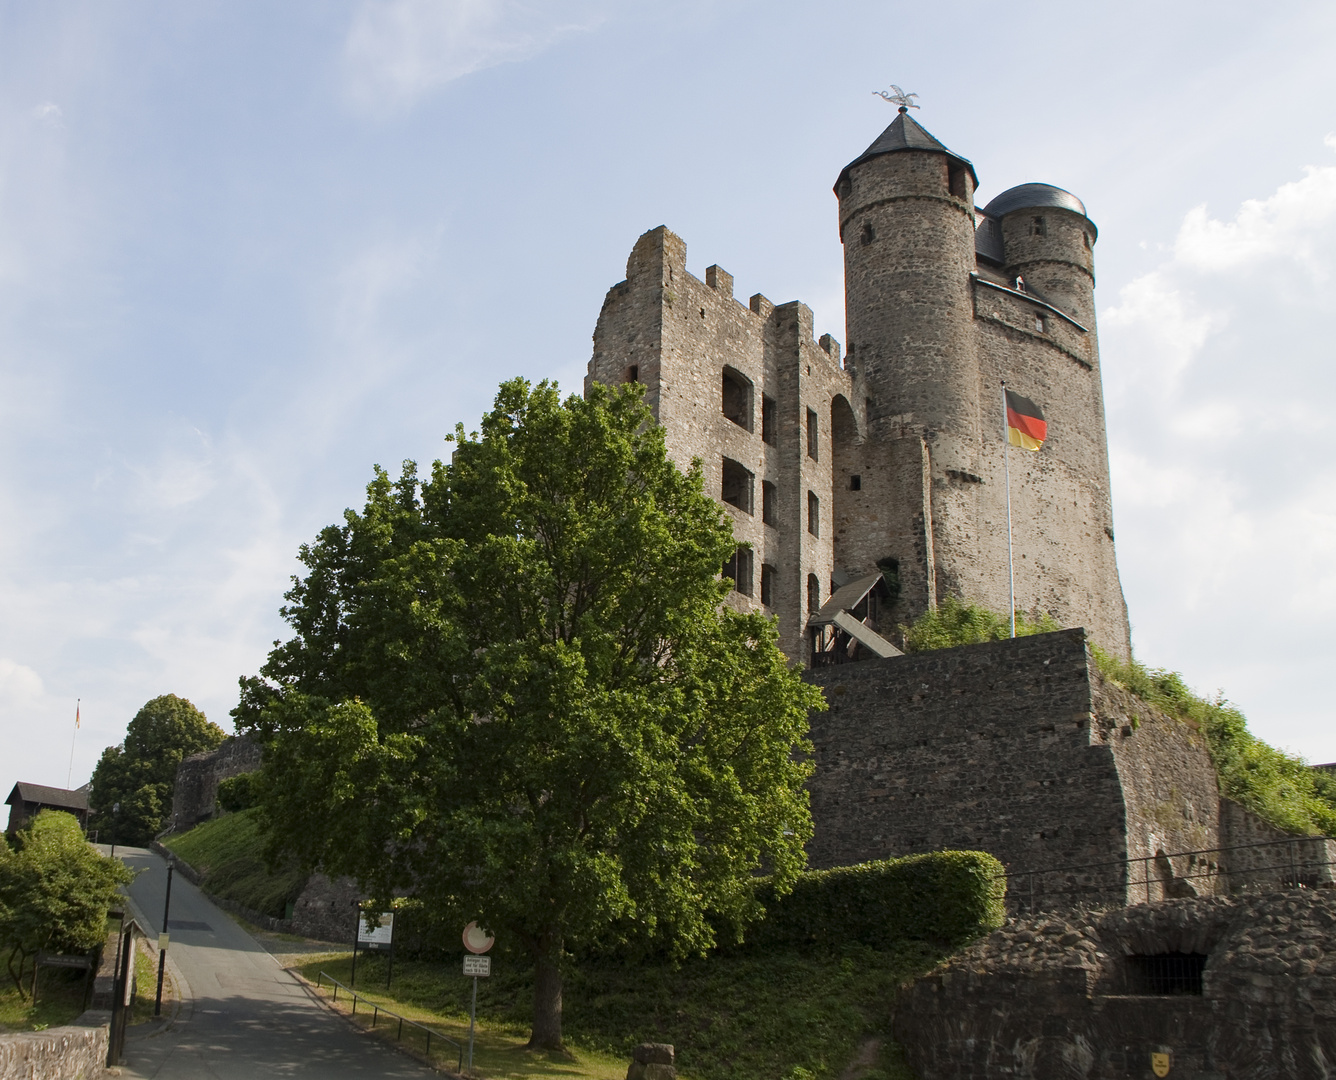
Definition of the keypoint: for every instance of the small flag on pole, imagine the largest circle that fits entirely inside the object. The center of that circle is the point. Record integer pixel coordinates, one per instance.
(76, 714)
(1026, 426)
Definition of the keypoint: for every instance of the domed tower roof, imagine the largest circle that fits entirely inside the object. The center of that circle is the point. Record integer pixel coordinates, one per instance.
(1036, 197)
(904, 133)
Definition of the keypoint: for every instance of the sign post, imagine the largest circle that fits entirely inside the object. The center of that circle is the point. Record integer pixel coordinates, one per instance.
(379, 937)
(477, 941)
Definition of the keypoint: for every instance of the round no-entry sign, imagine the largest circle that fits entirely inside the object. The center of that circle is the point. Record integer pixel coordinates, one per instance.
(476, 940)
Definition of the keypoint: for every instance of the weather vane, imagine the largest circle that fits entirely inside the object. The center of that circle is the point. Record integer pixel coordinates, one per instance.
(905, 101)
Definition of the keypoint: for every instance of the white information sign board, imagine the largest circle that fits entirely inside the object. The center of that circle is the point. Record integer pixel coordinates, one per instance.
(479, 966)
(380, 934)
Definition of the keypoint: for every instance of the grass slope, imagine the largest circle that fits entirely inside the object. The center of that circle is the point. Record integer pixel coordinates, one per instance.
(741, 1015)
(227, 853)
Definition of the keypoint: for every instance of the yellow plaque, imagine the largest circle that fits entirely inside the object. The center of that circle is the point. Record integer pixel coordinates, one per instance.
(1159, 1064)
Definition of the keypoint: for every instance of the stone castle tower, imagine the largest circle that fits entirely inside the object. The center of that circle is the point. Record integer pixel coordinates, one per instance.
(866, 487)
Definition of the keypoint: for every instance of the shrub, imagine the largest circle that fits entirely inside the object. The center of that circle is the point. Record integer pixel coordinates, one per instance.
(55, 891)
(946, 897)
(236, 793)
(955, 622)
(1278, 787)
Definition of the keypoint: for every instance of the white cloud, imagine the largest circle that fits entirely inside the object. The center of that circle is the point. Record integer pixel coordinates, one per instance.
(49, 113)
(1217, 368)
(19, 685)
(1289, 225)
(398, 50)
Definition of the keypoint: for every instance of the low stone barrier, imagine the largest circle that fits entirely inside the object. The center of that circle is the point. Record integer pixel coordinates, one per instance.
(77, 1051)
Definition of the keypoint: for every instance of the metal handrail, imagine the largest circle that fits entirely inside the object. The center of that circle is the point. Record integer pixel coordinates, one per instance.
(1294, 864)
(378, 1009)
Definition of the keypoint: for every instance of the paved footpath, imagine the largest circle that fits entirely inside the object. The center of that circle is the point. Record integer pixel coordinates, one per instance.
(242, 1016)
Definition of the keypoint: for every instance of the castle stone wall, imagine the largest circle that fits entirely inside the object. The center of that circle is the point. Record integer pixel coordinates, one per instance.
(196, 794)
(1057, 997)
(992, 747)
(678, 335)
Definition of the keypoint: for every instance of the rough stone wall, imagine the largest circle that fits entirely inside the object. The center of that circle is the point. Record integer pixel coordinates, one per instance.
(679, 334)
(75, 1051)
(1170, 793)
(1261, 856)
(195, 796)
(324, 910)
(1021, 749)
(1054, 997)
(991, 747)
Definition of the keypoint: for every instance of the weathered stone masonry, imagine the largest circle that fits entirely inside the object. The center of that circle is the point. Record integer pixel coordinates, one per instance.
(1021, 749)
(890, 458)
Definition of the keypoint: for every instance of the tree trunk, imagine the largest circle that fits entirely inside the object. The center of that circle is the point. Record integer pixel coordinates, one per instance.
(547, 1001)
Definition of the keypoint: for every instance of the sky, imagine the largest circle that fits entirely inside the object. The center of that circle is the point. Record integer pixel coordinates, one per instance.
(250, 250)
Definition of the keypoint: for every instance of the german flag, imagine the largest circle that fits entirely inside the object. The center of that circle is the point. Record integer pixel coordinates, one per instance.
(1026, 427)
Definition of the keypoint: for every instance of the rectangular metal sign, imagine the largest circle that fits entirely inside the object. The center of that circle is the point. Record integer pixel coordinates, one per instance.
(64, 961)
(380, 935)
(478, 965)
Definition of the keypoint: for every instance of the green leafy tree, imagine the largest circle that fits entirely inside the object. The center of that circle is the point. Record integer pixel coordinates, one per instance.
(139, 775)
(514, 691)
(55, 891)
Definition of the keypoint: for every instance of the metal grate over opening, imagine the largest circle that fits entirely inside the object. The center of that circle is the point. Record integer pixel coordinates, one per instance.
(1166, 973)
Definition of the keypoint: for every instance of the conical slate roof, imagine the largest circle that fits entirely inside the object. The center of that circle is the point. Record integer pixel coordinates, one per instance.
(904, 133)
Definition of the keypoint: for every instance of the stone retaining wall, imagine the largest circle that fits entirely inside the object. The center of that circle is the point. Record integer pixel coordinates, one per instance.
(1061, 997)
(77, 1051)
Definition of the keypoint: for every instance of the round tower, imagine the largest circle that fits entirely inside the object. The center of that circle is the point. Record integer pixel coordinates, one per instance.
(906, 209)
(907, 226)
(1049, 241)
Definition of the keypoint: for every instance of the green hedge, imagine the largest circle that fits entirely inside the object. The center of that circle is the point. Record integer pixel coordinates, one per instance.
(946, 897)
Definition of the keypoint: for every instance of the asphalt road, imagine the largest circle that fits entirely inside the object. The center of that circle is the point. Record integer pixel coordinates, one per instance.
(242, 1016)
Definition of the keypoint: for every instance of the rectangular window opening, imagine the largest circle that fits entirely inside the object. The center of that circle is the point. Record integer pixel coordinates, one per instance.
(855, 482)
(1039, 324)
(769, 432)
(769, 503)
(736, 399)
(633, 373)
(739, 570)
(767, 585)
(813, 514)
(813, 430)
(736, 488)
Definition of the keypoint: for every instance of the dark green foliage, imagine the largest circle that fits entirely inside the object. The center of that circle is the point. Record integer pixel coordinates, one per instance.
(773, 1014)
(946, 898)
(140, 774)
(956, 623)
(228, 852)
(1278, 787)
(236, 793)
(514, 690)
(55, 891)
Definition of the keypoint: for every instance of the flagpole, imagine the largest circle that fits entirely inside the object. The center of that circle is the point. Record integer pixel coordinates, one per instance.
(1011, 565)
(70, 775)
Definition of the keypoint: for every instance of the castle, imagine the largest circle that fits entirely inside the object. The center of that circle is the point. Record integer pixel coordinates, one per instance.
(866, 486)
